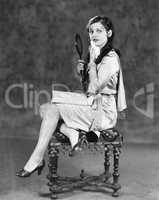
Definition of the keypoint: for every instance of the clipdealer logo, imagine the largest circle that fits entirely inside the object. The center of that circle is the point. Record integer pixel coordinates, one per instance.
(147, 92)
(31, 97)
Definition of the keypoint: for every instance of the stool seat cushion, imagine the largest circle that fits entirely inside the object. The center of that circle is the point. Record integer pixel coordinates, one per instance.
(108, 135)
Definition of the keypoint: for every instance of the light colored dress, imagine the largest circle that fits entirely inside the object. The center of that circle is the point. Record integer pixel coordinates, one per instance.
(99, 111)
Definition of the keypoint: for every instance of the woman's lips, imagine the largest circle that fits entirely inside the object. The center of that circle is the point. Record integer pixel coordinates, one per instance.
(95, 40)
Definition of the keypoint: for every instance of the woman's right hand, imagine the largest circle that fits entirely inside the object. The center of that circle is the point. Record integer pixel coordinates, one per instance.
(92, 54)
(80, 66)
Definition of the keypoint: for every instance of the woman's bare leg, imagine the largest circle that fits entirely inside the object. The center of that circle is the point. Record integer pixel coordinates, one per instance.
(50, 116)
(71, 133)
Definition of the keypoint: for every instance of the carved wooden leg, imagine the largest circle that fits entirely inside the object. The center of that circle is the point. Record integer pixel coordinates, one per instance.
(107, 174)
(53, 163)
(116, 185)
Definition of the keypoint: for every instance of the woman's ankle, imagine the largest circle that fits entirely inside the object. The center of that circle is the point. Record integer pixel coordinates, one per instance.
(31, 165)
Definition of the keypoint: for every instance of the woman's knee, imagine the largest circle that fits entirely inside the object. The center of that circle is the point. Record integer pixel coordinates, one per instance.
(49, 110)
(63, 128)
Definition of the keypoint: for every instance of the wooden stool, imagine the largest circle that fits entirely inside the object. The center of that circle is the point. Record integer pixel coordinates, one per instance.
(110, 142)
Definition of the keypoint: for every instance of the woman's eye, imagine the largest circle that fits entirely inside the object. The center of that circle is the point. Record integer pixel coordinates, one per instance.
(99, 31)
(95, 31)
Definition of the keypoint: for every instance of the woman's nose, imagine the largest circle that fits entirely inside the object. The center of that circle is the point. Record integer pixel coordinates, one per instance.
(94, 34)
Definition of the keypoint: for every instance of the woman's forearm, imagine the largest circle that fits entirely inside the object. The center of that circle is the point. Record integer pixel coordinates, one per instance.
(93, 78)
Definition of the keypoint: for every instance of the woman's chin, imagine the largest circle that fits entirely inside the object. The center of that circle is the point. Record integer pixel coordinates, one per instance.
(99, 45)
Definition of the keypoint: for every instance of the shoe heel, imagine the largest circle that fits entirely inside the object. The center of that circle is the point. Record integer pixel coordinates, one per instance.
(41, 168)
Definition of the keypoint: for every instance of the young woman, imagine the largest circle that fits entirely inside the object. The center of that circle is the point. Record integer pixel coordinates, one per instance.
(94, 110)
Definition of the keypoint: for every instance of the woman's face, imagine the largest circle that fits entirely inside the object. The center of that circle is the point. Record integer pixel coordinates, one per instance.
(98, 34)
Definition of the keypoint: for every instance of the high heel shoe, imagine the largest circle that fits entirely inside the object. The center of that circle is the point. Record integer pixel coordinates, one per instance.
(78, 146)
(75, 150)
(24, 173)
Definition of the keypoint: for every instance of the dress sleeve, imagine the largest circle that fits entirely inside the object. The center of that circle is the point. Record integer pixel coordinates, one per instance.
(108, 67)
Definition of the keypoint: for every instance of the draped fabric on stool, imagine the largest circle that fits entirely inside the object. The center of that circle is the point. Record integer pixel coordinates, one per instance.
(110, 141)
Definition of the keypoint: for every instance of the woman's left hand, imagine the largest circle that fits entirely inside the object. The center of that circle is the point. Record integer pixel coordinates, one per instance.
(97, 101)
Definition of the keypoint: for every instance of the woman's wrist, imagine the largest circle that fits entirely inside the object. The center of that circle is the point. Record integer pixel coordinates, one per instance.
(80, 66)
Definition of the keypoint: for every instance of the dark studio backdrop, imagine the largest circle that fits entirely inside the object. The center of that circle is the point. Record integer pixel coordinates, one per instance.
(37, 51)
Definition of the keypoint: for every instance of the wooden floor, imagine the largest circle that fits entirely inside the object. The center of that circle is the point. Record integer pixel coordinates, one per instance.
(139, 169)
